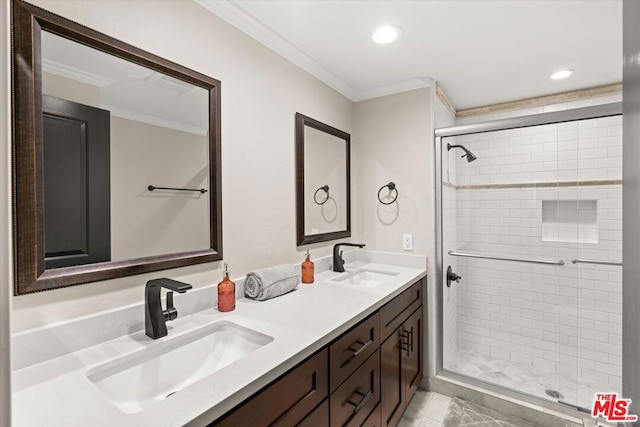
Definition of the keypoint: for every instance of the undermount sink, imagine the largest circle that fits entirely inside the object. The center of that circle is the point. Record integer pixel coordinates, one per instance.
(138, 379)
(365, 278)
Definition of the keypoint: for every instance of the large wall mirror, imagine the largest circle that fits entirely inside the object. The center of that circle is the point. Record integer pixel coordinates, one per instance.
(116, 157)
(323, 182)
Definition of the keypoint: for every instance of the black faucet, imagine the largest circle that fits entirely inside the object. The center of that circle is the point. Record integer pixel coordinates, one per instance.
(338, 262)
(154, 317)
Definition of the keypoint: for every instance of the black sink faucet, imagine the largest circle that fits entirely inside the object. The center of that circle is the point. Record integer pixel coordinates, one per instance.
(338, 262)
(154, 317)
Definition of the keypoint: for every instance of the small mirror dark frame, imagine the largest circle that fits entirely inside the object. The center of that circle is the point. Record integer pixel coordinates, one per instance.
(27, 144)
(302, 239)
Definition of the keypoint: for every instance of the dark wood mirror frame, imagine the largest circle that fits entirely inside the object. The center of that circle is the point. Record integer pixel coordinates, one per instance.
(302, 239)
(27, 144)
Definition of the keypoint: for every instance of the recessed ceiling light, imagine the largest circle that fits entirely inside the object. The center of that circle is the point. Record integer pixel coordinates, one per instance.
(562, 74)
(386, 34)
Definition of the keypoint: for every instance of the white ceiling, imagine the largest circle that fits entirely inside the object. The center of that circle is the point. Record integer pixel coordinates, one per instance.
(481, 52)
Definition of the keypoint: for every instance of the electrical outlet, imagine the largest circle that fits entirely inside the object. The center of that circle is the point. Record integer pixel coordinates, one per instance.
(407, 242)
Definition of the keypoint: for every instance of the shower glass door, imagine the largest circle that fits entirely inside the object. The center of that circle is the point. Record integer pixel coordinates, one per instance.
(532, 222)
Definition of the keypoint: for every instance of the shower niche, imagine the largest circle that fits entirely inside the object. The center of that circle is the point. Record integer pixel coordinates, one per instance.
(570, 221)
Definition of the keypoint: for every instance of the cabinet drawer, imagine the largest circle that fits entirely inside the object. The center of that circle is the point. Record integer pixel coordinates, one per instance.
(373, 420)
(396, 311)
(353, 348)
(318, 418)
(287, 401)
(353, 402)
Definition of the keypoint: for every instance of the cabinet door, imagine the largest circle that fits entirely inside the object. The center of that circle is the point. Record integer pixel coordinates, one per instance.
(392, 379)
(318, 418)
(413, 329)
(374, 419)
(287, 401)
(396, 311)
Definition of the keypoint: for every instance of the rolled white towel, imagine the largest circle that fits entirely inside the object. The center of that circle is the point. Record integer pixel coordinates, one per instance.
(271, 282)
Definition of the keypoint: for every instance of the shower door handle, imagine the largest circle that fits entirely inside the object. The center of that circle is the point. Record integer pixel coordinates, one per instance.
(452, 277)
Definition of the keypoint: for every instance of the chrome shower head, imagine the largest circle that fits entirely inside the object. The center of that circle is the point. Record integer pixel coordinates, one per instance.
(468, 154)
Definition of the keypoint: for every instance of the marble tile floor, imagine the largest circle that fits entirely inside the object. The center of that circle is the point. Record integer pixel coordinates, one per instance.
(526, 380)
(429, 409)
(426, 409)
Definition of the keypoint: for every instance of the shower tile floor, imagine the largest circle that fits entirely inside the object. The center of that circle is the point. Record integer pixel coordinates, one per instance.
(527, 380)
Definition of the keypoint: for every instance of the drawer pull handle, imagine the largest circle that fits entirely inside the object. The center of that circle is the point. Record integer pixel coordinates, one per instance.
(402, 347)
(363, 346)
(363, 401)
(408, 336)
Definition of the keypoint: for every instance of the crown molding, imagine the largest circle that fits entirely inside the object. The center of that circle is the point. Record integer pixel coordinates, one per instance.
(62, 70)
(230, 12)
(236, 16)
(153, 120)
(403, 86)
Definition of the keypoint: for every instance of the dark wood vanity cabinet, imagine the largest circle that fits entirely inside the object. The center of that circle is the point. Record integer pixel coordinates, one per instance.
(401, 368)
(289, 400)
(348, 352)
(318, 418)
(415, 357)
(355, 381)
(357, 398)
(401, 352)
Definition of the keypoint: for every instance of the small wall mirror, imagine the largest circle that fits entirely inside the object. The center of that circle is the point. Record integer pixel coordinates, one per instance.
(117, 164)
(323, 181)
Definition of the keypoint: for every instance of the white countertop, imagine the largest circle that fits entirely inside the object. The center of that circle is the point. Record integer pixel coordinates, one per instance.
(56, 392)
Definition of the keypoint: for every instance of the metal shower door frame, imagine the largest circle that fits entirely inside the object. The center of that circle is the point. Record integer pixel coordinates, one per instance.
(585, 113)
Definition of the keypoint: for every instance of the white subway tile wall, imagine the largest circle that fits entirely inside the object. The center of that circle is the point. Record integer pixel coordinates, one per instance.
(566, 319)
(567, 152)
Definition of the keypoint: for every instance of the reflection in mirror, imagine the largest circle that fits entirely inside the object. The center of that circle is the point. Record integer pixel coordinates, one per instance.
(324, 165)
(158, 137)
(323, 198)
(97, 125)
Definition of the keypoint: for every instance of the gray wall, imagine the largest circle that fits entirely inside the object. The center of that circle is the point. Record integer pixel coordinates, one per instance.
(631, 205)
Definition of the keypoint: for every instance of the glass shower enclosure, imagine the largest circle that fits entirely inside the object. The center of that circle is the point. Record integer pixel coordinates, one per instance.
(530, 252)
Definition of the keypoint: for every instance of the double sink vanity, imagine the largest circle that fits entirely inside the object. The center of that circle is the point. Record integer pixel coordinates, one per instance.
(345, 350)
(341, 351)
